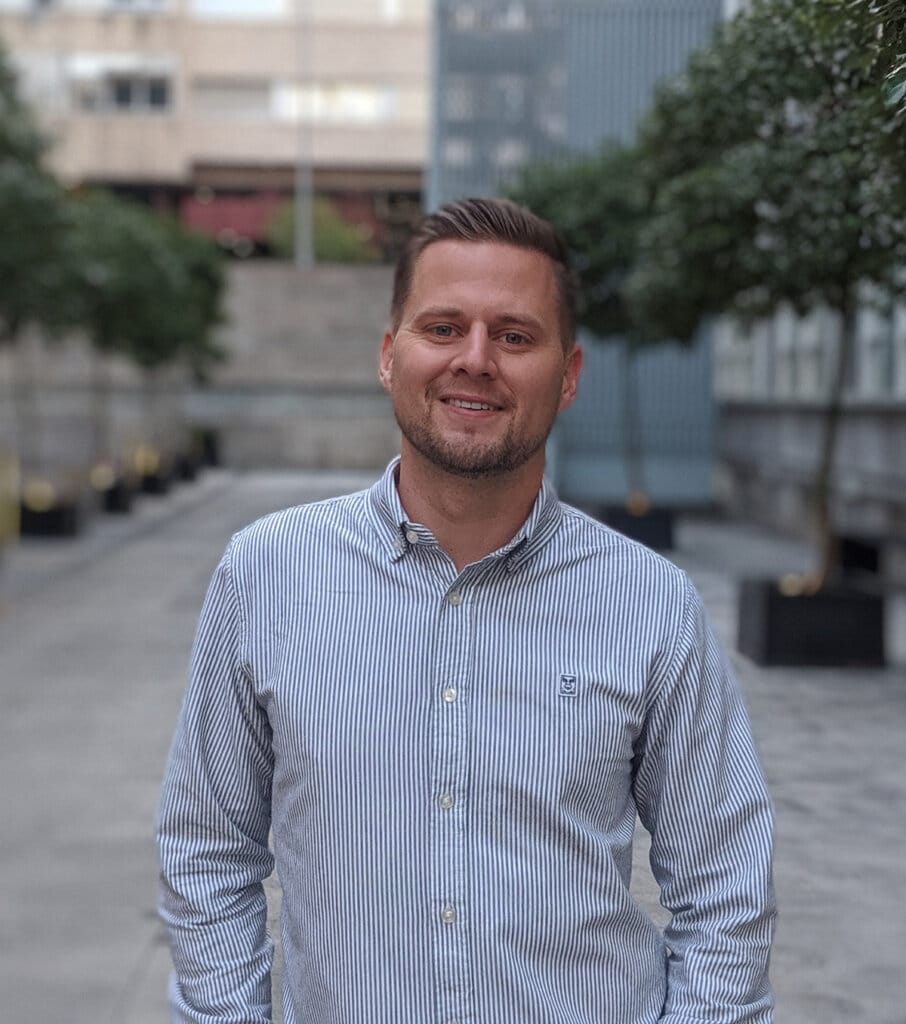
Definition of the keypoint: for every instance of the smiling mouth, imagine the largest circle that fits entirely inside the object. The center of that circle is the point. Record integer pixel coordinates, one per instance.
(460, 403)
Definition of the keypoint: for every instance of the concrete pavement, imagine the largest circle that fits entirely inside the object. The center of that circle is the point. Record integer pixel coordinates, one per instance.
(94, 640)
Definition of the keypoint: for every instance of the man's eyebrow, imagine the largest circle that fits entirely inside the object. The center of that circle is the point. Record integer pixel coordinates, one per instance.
(518, 320)
(501, 320)
(439, 312)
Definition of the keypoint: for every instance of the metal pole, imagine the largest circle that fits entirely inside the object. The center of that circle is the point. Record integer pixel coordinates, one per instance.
(304, 241)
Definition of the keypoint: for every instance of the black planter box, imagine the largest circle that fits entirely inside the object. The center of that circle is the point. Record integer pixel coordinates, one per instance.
(839, 626)
(157, 482)
(117, 498)
(653, 528)
(208, 443)
(61, 520)
(186, 467)
(856, 554)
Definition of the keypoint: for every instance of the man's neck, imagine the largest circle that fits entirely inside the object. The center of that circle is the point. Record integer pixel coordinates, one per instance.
(469, 518)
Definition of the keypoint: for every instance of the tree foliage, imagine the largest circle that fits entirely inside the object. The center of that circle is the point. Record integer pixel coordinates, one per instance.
(333, 238)
(598, 202)
(33, 275)
(145, 287)
(776, 163)
(138, 284)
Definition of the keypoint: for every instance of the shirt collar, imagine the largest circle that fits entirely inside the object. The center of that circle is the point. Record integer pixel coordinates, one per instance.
(390, 520)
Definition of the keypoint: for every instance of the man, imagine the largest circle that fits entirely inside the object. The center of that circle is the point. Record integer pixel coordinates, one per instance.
(449, 697)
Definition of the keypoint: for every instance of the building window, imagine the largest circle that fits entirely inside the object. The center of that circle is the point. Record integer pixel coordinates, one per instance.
(512, 18)
(250, 9)
(158, 93)
(124, 92)
(511, 96)
(337, 102)
(464, 17)
(121, 93)
(510, 154)
(235, 97)
(457, 152)
(135, 5)
(459, 98)
(328, 103)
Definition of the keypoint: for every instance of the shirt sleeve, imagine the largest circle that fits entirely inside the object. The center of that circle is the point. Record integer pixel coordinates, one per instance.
(213, 828)
(702, 796)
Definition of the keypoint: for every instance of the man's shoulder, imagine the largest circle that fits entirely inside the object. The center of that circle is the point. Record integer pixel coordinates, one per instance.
(590, 539)
(298, 526)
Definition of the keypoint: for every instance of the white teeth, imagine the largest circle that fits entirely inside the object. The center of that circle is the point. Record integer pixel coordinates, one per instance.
(470, 405)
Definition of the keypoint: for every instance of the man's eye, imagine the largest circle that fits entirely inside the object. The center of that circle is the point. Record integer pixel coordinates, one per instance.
(442, 330)
(514, 338)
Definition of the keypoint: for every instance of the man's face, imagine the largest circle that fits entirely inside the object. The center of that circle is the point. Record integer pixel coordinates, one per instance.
(476, 368)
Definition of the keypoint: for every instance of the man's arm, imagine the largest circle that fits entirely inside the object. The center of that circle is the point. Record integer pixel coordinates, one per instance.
(701, 794)
(213, 829)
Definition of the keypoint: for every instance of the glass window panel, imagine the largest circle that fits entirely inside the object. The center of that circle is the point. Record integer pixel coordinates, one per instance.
(158, 92)
(257, 9)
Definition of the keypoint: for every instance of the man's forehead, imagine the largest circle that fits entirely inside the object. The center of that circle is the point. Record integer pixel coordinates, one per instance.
(494, 261)
(445, 247)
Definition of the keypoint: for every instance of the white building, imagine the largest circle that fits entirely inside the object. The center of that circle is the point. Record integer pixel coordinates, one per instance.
(212, 106)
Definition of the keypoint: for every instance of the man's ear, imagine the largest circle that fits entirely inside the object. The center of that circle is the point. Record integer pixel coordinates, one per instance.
(385, 367)
(571, 377)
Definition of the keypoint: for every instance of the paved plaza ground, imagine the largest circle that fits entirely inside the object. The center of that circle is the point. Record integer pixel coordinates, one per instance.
(94, 640)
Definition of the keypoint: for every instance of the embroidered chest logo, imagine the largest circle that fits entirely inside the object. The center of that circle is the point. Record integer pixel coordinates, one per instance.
(569, 686)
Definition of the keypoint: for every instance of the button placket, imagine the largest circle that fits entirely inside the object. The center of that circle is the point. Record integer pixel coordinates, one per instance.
(452, 665)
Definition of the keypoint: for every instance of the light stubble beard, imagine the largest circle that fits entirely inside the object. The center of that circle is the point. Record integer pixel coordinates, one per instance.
(471, 461)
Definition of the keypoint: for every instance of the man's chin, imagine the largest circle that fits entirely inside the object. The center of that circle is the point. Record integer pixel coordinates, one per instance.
(474, 464)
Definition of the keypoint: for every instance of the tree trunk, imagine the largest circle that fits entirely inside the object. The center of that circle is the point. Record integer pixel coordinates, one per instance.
(636, 493)
(27, 413)
(823, 486)
(100, 409)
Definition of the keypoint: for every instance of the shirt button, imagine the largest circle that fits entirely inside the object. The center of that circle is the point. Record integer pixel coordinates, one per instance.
(448, 915)
(450, 694)
(454, 598)
(412, 536)
(446, 801)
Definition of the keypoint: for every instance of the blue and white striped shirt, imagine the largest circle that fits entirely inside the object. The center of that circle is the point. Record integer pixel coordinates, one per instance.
(451, 764)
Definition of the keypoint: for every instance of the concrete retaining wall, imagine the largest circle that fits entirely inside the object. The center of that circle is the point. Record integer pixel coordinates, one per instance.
(300, 388)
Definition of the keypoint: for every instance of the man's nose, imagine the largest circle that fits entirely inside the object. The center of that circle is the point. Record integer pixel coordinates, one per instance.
(475, 354)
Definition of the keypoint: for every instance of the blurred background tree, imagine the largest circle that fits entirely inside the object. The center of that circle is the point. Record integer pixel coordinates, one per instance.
(334, 240)
(776, 167)
(148, 289)
(136, 283)
(145, 289)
